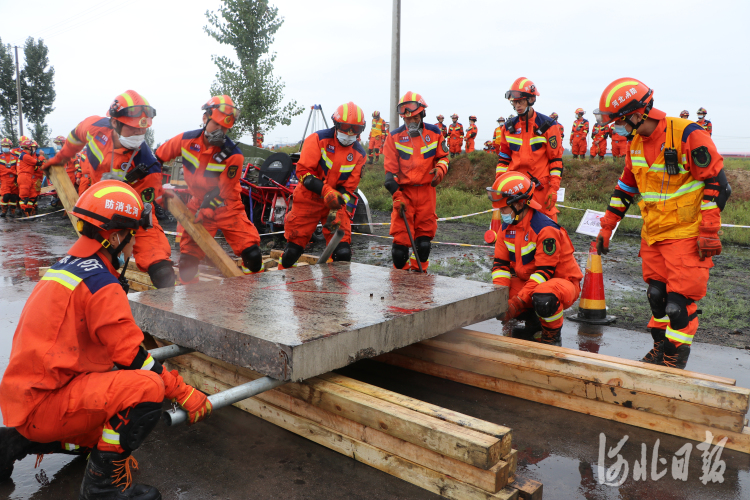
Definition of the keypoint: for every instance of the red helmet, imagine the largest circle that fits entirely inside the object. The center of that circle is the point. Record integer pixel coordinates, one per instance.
(623, 97)
(684, 113)
(221, 109)
(702, 111)
(580, 111)
(59, 139)
(376, 114)
(23, 138)
(472, 118)
(554, 116)
(522, 88)
(349, 118)
(510, 188)
(440, 117)
(132, 109)
(411, 104)
(6, 143)
(454, 115)
(27, 144)
(501, 120)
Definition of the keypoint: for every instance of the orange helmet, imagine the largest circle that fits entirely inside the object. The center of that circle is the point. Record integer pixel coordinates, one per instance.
(221, 109)
(522, 88)
(376, 114)
(440, 117)
(702, 111)
(472, 118)
(580, 111)
(6, 143)
(623, 97)
(22, 138)
(510, 188)
(59, 139)
(684, 113)
(554, 116)
(349, 118)
(454, 115)
(132, 109)
(411, 104)
(501, 120)
(27, 144)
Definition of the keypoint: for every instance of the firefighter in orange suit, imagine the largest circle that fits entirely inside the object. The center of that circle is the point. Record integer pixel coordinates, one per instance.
(259, 139)
(116, 147)
(38, 180)
(489, 147)
(706, 124)
(455, 136)
(70, 166)
(60, 392)
(674, 165)
(329, 170)
(377, 138)
(619, 143)
(530, 144)
(8, 179)
(578, 134)
(498, 134)
(211, 162)
(28, 166)
(599, 134)
(416, 160)
(471, 134)
(559, 125)
(545, 278)
(443, 128)
(685, 114)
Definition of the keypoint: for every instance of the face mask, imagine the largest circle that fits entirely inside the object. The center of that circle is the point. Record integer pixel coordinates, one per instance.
(345, 139)
(507, 218)
(216, 138)
(58, 147)
(132, 142)
(6, 150)
(413, 129)
(700, 117)
(620, 130)
(120, 261)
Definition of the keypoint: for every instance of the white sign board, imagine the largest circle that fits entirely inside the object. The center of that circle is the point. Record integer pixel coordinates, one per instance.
(561, 194)
(590, 225)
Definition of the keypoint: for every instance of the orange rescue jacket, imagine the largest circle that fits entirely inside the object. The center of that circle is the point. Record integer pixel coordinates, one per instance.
(411, 159)
(580, 128)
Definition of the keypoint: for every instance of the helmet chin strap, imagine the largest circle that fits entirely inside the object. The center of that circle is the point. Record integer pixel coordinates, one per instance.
(123, 243)
(644, 117)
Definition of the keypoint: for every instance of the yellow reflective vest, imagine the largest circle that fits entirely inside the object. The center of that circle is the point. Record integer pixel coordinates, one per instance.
(498, 134)
(670, 204)
(378, 127)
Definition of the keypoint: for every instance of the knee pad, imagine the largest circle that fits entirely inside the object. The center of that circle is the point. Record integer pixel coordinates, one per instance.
(423, 248)
(135, 424)
(676, 309)
(343, 252)
(162, 274)
(545, 304)
(252, 258)
(188, 267)
(400, 255)
(657, 297)
(291, 255)
(7, 198)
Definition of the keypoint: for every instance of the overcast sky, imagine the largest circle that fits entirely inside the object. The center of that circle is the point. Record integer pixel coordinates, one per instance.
(460, 55)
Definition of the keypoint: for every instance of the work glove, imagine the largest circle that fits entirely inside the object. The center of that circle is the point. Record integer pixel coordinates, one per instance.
(515, 307)
(399, 201)
(202, 214)
(551, 199)
(332, 198)
(709, 243)
(608, 224)
(437, 176)
(195, 403)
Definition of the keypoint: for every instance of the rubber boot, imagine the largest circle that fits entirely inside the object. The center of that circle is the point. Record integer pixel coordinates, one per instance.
(161, 274)
(188, 268)
(655, 356)
(369, 160)
(676, 356)
(13, 446)
(530, 327)
(551, 336)
(160, 213)
(107, 477)
(4, 212)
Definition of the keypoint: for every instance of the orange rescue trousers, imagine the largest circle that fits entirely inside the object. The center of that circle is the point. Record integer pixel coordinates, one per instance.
(566, 291)
(619, 148)
(469, 145)
(599, 147)
(579, 146)
(151, 247)
(420, 213)
(239, 232)
(455, 145)
(375, 147)
(305, 216)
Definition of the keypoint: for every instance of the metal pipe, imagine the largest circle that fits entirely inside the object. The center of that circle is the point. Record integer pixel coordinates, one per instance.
(169, 351)
(335, 240)
(18, 92)
(226, 398)
(395, 62)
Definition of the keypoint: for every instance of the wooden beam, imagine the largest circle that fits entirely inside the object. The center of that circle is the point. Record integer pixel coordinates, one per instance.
(636, 378)
(638, 400)
(305, 257)
(668, 425)
(361, 451)
(205, 241)
(65, 191)
(527, 488)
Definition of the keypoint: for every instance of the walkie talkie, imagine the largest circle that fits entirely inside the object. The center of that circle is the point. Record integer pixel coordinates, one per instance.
(671, 158)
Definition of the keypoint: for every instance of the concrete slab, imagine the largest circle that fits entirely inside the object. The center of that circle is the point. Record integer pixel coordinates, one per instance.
(299, 323)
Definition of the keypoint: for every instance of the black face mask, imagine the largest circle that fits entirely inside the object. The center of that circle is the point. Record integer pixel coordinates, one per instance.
(215, 138)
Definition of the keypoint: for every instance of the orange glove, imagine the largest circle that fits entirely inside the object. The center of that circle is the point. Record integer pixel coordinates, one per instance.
(608, 224)
(709, 243)
(515, 307)
(203, 213)
(195, 403)
(437, 176)
(399, 201)
(333, 199)
(551, 199)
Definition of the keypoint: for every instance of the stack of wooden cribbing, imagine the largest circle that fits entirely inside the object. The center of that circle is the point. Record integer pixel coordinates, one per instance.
(448, 453)
(678, 402)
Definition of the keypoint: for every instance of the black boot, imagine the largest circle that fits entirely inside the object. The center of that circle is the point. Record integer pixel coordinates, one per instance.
(655, 356)
(188, 268)
(674, 356)
(107, 477)
(530, 327)
(161, 274)
(160, 213)
(551, 336)
(369, 160)
(4, 212)
(13, 446)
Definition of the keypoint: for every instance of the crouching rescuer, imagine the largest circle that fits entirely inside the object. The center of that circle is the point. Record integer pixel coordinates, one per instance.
(329, 170)
(212, 165)
(60, 393)
(674, 165)
(547, 277)
(416, 160)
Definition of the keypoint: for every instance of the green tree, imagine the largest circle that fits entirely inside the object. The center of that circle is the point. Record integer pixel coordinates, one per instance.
(8, 96)
(150, 139)
(37, 88)
(249, 27)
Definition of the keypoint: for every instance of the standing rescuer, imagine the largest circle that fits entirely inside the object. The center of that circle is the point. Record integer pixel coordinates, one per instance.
(8, 179)
(530, 144)
(498, 134)
(60, 393)
(706, 124)
(28, 166)
(578, 134)
(211, 162)
(559, 125)
(442, 126)
(116, 147)
(377, 138)
(471, 134)
(416, 160)
(599, 134)
(546, 277)
(455, 136)
(329, 170)
(675, 167)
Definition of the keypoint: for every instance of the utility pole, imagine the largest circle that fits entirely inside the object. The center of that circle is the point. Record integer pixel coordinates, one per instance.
(18, 94)
(395, 62)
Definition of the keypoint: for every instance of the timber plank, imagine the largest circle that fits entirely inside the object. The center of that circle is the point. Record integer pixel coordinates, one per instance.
(731, 398)
(394, 465)
(659, 423)
(65, 191)
(528, 489)
(642, 401)
(305, 257)
(218, 256)
(460, 332)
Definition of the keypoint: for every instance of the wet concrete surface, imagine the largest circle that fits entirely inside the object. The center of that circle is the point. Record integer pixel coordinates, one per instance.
(234, 455)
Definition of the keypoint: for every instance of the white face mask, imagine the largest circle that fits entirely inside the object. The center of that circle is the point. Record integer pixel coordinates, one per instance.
(700, 117)
(345, 139)
(132, 142)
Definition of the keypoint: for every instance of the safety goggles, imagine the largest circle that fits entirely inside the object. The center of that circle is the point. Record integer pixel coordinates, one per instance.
(496, 196)
(134, 112)
(410, 107)
(227, 109)
(351, 129)
(516, 95)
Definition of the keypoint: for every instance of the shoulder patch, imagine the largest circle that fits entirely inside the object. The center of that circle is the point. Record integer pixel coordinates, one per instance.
(553, 142)
(549, 246)
(445, 147)
(701, 156)
(232, 171)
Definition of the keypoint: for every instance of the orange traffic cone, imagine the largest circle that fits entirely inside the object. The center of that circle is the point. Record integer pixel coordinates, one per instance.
(592, 308)
(490, 236)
